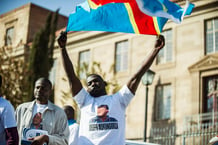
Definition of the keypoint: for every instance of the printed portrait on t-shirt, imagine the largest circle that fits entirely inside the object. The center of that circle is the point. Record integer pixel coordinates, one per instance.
(103, 121)
(37, 119)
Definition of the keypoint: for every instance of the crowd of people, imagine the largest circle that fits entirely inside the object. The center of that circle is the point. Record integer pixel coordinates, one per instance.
(40, 122)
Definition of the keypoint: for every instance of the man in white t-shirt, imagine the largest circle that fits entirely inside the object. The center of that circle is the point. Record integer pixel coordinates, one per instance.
(8, 125)
(96, 132)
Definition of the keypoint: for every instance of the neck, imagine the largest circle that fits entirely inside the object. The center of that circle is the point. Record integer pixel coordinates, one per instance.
(41, 102)
(99, 95)
(103, 118)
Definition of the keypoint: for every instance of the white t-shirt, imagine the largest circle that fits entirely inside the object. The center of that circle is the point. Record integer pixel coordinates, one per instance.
(111, 131)
(39, 108)
(74, 134)
(7, 118)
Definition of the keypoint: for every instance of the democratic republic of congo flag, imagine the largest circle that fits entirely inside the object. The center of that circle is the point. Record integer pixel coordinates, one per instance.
(157, 8)
(115, 16)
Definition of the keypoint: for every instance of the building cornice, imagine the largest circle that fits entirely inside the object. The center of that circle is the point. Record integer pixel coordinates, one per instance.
(207, 63)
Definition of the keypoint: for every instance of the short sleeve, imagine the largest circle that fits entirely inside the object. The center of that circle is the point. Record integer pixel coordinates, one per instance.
(81, 97)
(125, 95)
(8, 116)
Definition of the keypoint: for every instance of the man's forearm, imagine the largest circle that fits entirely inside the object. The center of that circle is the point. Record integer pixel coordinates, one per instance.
(134, 81)
(74, 81)
(68, 66)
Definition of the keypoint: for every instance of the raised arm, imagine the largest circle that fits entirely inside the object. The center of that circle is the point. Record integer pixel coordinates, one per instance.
(133, 83)
(74, 81)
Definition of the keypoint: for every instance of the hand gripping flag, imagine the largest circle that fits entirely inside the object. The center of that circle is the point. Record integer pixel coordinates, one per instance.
(128, 16)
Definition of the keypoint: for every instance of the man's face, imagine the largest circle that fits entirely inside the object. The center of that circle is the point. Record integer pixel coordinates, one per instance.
(102, 111)
(42, 91)
(96, 86)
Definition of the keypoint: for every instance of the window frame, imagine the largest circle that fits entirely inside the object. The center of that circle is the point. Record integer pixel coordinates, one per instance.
(157, 116)
(83, 75)
(165, 49)
(122, 67)
(12, 36)
(205, 37)
(205, 92)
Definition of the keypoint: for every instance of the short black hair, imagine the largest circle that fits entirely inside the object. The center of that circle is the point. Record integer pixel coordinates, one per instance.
(69, 111)
(97, 75)
(0, 80)
(104, 105)
(46, 81)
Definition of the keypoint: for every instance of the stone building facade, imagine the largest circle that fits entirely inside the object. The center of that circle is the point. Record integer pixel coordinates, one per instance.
(19, 26)
(185, 85)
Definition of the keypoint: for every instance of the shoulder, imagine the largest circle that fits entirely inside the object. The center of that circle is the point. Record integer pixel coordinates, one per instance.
(124, 91)
(82, 92)
(24, 105)
(53, 106)
(58, 110)
(4, 102)
(5, 105)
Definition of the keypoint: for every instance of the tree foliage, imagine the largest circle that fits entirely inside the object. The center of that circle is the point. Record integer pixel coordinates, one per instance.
(41, 54)
(13, 71)
(20, 73)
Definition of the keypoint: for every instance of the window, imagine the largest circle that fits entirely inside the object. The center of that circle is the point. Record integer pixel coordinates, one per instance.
(9, 36)
(163, 101)
(84, 60)
(121, 56)
(212, 36)
(211, 94)
(165, 54)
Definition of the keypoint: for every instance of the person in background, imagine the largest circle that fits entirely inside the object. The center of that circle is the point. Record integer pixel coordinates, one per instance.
(8, 125)
(109, 132)
(73, 126)
(45, 120)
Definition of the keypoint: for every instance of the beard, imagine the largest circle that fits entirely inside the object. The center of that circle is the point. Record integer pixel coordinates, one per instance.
(95, 93)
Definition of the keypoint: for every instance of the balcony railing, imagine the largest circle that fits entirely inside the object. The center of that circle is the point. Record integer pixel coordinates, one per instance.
(204, 118)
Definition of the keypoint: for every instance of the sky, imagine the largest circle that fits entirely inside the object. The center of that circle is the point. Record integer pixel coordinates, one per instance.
(66, 6)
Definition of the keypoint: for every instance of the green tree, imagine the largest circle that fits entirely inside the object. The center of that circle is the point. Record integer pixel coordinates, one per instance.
(41, 53)
(13, 70)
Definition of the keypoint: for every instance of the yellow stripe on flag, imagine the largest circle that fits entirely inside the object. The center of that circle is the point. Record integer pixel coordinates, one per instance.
(92, 5)
(156, 26)
(131, 18)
